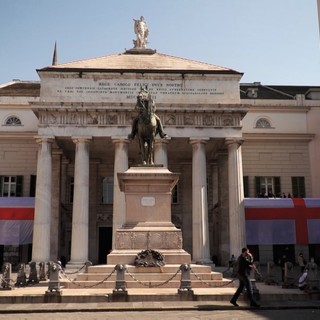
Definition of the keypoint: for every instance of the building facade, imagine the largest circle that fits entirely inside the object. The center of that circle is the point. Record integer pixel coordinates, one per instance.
(63, 141)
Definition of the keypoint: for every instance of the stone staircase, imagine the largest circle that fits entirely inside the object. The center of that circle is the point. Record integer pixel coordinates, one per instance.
(168, 276)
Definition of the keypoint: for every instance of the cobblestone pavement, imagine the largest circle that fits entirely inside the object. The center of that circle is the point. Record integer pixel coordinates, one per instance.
(173, 315)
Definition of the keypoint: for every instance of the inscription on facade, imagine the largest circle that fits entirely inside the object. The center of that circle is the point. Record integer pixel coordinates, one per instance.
(126, 90)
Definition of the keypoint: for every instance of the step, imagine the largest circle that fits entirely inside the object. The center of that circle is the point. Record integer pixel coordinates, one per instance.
(147, 276)
(145, 284)
(166, 268)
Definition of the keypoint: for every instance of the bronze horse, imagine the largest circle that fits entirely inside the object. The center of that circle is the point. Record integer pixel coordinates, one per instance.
(147, 126)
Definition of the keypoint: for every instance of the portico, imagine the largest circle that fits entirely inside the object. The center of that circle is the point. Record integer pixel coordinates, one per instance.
(86, 110)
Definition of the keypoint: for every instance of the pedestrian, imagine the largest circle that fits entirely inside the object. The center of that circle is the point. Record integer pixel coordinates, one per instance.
(301, 262)
(303, 280)
(245, 265)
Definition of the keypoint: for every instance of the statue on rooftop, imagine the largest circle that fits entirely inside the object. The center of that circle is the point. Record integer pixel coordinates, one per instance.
(142, 31)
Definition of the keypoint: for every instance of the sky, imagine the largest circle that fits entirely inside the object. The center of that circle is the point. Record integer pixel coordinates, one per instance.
(275, 42)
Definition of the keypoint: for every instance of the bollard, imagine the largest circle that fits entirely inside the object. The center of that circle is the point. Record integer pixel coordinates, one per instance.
(33, 276)
(288, 275)
(87, 265)
(185, 291)
(54, 280)
(120, 293)
(21, 277)
(270, 276)
(120, 278)
(42, 271)
(185, 283)
(6, 277)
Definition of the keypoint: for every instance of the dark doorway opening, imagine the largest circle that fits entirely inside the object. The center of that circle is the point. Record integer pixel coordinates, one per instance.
(105, 243)
(254, 249)
(1, 255)
(280, 250)
(314, 252)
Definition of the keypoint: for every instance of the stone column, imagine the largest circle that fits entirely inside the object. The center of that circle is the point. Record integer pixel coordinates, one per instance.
(237, 232)
(55, 205)
(161, 152)
(42, 215)
(119, 202)
(80, 211)
(200, 225)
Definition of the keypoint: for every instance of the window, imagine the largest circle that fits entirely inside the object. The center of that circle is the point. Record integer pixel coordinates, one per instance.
(298, 187)
(11, 186)
(33, 184)
(107, 190)
(175, 195)
(13, 121)
(263, 123)
(268, 187)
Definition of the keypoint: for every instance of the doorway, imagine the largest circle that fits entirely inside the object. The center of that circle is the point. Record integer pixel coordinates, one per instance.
(105, 243)
(279, 250)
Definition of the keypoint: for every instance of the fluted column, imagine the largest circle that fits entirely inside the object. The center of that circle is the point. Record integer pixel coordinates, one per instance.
(161, 152)
(237, 232)
(119, 202)
(80, 211)
(200, 224)
(42, 215)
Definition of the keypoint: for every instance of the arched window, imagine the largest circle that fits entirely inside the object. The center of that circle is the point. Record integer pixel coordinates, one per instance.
(13, 121)
(263, 123)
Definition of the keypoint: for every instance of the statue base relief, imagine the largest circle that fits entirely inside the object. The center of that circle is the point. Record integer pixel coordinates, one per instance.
(148, 217)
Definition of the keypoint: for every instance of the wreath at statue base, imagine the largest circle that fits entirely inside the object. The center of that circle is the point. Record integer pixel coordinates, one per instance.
(149, 258)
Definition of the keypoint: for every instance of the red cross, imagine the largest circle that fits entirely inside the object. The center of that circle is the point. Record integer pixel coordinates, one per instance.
(299, 213)
(16, 213)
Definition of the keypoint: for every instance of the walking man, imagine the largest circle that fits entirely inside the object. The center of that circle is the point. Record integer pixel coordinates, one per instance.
(245, 264)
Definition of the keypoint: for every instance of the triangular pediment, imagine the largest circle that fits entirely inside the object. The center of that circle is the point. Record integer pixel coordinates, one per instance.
(154, 62)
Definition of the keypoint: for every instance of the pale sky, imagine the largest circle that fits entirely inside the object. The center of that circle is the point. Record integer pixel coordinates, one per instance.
(270, 41)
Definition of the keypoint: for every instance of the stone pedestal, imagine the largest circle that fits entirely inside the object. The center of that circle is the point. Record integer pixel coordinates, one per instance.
(148, 223)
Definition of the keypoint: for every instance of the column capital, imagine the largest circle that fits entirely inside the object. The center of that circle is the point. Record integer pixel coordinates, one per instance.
(201, 140)
(230, 141)
(82, 139)
(40, 139)
(120, 139)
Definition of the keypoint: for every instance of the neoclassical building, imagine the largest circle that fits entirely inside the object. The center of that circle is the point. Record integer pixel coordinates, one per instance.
(64, 139)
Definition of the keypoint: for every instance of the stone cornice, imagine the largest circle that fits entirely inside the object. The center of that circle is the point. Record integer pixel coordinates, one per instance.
(20, 135)
(278, 136)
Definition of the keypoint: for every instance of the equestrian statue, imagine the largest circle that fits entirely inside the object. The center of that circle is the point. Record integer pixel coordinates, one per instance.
(147, 125)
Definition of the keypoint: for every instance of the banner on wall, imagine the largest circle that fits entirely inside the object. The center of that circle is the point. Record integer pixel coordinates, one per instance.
(282, 221)
(16, 220)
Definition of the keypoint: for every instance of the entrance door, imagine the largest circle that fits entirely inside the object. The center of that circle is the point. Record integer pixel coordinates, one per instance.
(105, 243)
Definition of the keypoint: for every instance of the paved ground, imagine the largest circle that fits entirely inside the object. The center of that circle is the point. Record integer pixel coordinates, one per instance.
(173, 315)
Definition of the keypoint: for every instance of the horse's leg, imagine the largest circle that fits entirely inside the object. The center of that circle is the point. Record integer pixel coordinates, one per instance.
(152, 150)
(142, 151)
(145, 149)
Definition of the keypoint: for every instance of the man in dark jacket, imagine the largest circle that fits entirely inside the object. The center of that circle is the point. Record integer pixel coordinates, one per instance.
(245, 264)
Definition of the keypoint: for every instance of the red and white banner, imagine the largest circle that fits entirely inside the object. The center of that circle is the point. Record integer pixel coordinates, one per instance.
(16, 220)
(282, 221)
